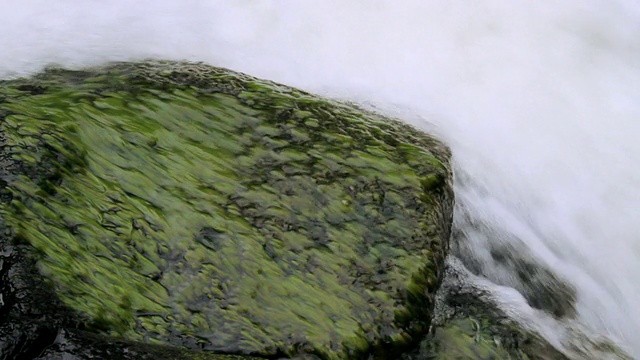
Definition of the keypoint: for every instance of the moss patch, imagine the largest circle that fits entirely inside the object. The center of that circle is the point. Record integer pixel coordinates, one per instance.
(190, 205)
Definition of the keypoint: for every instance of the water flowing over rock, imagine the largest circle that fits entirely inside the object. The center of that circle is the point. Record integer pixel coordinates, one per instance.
(184, 205)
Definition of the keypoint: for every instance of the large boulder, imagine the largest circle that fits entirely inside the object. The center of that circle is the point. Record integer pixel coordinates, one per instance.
(187, 205)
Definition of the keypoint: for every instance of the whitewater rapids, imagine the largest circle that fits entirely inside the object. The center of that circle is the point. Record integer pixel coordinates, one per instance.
(539, 101)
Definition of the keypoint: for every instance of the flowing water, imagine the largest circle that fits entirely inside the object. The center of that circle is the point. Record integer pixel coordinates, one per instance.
(539, 100)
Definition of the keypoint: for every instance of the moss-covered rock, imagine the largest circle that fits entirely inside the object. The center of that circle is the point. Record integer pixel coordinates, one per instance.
(470, 323)
(478, 335)
(190, 205)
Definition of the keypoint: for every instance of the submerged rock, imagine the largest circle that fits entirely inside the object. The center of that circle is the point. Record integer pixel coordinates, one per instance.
(505, 259)
(471, 321)
(188, 205)
(470, 324)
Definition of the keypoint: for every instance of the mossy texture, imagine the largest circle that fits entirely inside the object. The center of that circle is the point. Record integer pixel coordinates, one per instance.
(190, 205)
(482, 335)
(472, 338)
(467, 339)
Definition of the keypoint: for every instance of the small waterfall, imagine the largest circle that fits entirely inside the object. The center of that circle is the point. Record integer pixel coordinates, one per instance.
(539, 100)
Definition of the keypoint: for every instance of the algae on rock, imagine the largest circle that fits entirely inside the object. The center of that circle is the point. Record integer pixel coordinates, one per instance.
(190, 205)
(469, 323)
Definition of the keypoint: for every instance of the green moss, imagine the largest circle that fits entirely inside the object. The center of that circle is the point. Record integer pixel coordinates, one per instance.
(466, 339)
(191, 205)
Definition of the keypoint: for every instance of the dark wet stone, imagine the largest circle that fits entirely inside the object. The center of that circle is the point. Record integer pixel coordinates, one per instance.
(512, 264)
(192, 206)
(469, 325)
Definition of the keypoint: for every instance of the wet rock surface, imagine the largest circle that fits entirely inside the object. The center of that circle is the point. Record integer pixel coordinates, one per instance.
(506, 260)
(184, 205)
(472, 322)
(36, 325)
(469, 325)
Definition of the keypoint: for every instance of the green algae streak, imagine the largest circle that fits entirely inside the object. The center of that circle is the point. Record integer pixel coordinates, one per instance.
(190, 205)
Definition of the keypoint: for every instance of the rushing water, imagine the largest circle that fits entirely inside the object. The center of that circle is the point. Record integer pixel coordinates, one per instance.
(539, 100)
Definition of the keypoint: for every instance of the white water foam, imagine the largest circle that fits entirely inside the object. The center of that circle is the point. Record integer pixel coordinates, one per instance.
(539, 100)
